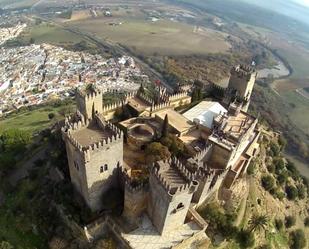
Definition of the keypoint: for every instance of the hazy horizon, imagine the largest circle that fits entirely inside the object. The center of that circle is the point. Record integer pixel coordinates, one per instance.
(297, 9)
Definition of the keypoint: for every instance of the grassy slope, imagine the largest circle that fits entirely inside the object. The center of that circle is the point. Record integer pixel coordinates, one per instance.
(32, 121)
(299, 114)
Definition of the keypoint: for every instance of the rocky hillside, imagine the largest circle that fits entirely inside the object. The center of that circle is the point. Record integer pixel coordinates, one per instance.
(269, 208)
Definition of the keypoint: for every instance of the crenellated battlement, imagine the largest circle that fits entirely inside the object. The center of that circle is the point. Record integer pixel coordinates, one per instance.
(190, 184)
(202, 154)
(145, 98)
(69, 131)
(182, 169)
(242, 71)
(88, 95)
(161, 106)
(178, 96)
(114, 106)
(204, 174)
(133, 186)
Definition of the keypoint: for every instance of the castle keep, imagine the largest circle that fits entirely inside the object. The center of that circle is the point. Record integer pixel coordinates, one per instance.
(241, 84)
(162, 204)
(94, 149)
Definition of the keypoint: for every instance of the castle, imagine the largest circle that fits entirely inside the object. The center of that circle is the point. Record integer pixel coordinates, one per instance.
(163, 205)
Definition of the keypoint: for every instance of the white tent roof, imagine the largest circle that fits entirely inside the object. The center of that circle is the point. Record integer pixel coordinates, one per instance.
(205, 112)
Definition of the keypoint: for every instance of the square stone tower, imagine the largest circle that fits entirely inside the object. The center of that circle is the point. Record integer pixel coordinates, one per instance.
(89, 101)
(242, 81)
(95, 152)
(171, 188)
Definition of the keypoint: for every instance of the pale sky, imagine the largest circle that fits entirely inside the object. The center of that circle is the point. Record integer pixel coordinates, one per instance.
(304, 2)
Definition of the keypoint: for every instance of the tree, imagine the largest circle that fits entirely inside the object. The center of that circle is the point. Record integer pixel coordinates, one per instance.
(291, 192)
(165, 127)
(51, 115)
(258, 222)
(156, 151)
(297, 239)
(245, 239)
(290, 221)
(274, 149)
(279, 165)
(294, 173)
(301, 191)
(6, 245)
(175, 146)
(271, 168)
(282, 177)
(268, 182)
(306, 221)
(282, 142)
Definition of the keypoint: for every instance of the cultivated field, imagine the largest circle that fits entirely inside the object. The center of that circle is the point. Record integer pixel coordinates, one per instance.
(50, 33)
(17, 3)
(162, 37)
(151, 30)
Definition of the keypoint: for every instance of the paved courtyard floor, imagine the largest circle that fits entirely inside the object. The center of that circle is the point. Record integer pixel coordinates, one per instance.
(147, 237)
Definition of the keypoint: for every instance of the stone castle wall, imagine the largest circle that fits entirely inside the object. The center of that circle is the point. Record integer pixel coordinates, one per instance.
(135, 200)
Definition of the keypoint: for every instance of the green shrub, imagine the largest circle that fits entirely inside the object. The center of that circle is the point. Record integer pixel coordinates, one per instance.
(268, 182)
(279, 194)
(282, 177)
(279, 224)
(306, 221)
(297, 239)
(294, 173)
(274, 149)
(156, 151)
(251, 168)
(291, 192)
(219, 221)
(290, 221)
(282, 142)
(245, 239)
(301, 190)
(5, 245)
(51, 115)
(271, 168)
(279, 165)
(265, 246)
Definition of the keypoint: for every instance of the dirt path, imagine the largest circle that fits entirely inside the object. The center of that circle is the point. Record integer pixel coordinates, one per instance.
(243, 206)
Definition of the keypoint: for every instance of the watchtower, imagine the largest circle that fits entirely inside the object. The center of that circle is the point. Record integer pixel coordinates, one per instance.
(171, 187)
(242, 81)
(95, 152)
(89, 101)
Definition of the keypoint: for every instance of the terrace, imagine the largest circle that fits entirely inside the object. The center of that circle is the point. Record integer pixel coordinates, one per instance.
(92, 134)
